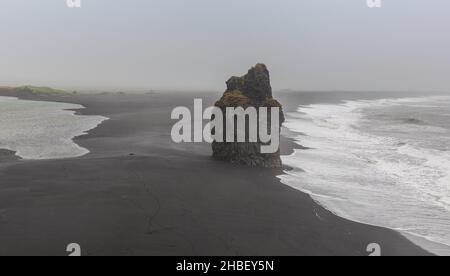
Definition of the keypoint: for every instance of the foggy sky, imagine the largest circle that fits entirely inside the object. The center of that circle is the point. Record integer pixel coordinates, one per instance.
(198, 44)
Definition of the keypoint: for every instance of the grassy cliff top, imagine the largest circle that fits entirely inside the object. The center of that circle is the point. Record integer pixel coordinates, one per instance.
(35, 90)
(39, 90)
(233, 99)
(237, 99)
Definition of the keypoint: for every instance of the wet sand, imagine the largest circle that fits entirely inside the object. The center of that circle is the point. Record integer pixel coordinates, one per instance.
(138, 193)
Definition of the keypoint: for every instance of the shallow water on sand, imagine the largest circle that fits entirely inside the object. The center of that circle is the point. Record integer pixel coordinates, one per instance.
(43, 130)
(381, 162)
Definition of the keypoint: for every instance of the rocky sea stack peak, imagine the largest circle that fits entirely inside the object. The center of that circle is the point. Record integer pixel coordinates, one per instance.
(255, 85)
(251, 90)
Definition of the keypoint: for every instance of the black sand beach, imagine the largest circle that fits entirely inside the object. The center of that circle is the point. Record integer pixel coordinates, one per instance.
(138, 193)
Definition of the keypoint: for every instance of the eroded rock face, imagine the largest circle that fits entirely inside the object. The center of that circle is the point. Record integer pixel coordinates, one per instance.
(254, 90)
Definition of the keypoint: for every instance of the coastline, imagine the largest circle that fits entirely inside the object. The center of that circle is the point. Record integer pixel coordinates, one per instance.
(425, 243)
(137, 193)
(438, 249)
(66, 147)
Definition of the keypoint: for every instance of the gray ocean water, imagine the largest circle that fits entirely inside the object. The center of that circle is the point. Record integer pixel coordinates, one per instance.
(381, 162)
(43, 130)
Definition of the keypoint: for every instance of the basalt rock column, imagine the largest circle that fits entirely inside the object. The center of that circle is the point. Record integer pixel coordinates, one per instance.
(251, 90)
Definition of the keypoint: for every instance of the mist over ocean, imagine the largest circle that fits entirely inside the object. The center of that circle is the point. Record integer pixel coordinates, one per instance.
(381, 162)
(43, 130)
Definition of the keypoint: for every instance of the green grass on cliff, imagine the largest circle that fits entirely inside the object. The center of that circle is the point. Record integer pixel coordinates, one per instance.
(233, 99)
(237, 99)
(34, 90)
(39, 90)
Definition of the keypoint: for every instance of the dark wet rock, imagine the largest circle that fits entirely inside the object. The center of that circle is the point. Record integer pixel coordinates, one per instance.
(251, 90)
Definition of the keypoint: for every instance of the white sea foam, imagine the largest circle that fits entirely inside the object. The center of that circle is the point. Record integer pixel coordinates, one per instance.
(43, 130)
(368, 166)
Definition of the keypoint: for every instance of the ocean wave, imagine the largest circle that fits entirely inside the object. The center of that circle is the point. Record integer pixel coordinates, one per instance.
(43, 130)
(373, 177)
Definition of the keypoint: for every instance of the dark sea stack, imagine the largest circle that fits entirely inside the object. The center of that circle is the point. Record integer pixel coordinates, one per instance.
(251, 90)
